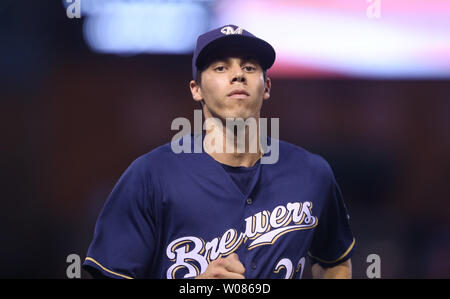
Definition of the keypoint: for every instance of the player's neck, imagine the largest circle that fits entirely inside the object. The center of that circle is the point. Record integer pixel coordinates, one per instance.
(236, 159)
(233, 145)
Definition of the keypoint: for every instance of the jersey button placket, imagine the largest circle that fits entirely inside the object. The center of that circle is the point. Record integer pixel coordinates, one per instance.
(249, 201)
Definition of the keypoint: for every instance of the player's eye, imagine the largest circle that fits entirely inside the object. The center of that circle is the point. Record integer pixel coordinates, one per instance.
(219, 68)
(249, 68)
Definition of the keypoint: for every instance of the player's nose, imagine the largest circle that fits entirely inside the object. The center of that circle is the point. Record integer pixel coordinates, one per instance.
(238, 76)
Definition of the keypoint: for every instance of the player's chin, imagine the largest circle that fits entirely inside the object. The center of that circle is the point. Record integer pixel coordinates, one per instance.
(244, 114)
(241, 110)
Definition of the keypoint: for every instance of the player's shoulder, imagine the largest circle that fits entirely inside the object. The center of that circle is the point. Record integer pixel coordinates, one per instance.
(298, 156)
(158, 156)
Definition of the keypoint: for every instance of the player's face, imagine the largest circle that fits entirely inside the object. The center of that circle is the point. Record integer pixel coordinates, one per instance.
(232, 87)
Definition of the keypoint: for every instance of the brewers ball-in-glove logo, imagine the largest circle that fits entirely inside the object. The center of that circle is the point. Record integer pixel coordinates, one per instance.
(263, 228)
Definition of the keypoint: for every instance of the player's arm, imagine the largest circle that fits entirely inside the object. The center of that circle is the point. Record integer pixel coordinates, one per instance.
(341, 271)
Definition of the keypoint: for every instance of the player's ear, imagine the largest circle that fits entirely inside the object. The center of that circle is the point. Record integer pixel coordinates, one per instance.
(267, 87)
(196, 91)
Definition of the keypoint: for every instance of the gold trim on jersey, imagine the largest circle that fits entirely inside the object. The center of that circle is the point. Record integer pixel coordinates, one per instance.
(106, 269)
(336, 260)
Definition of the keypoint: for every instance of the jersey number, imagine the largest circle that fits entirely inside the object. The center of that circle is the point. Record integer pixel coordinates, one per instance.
(287, 264)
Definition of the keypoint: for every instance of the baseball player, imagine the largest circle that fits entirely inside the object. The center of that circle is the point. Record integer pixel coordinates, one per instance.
(221, 214)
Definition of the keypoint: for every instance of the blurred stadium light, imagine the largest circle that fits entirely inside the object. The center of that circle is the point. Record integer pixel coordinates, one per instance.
(411, 38)
(143, 26)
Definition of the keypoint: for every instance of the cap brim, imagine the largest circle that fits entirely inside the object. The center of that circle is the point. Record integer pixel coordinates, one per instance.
(253, 47)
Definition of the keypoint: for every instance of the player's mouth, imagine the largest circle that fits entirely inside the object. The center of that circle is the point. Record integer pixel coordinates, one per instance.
(238, 93)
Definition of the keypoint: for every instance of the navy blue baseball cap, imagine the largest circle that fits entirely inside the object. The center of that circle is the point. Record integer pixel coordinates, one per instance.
(231, 37)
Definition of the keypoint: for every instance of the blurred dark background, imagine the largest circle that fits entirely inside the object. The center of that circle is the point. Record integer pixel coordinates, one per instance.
(73, 120)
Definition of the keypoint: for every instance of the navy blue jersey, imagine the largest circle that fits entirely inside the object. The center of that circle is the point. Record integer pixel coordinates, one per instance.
(169, 215)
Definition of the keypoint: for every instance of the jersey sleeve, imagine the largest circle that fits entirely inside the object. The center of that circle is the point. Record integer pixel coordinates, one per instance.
(333, 240)
(124, 236)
